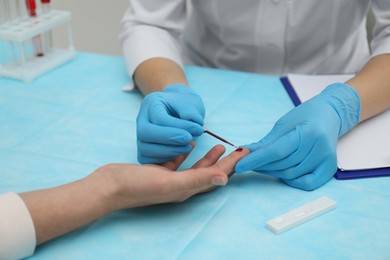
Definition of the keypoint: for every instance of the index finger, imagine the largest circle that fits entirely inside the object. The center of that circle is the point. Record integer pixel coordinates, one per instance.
(227, 163)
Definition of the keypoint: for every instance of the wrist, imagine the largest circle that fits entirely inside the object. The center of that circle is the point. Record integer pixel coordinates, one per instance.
(113, 185)
(107, 188)
(58, 210)
(346, 102)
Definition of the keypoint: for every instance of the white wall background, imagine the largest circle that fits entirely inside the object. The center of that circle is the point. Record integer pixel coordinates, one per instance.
(96, 24)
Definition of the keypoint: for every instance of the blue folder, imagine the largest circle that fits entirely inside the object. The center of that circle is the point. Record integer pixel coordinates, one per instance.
(340, 175)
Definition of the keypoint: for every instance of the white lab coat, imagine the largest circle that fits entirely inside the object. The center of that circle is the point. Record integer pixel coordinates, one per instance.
(264, 36)
(17, 231)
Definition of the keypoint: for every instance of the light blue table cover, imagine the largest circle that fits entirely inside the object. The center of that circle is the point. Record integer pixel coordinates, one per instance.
(76, 118)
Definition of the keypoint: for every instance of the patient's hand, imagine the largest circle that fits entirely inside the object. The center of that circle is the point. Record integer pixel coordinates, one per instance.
(141, 185)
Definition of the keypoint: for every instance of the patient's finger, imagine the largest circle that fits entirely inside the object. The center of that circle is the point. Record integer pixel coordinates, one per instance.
(175, 163)
(211, 157)
(228, 162)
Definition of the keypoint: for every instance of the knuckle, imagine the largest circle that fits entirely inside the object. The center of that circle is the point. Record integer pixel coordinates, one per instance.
(309, 182)
(196, 184)
(328, 150)
(278, 153)
(151, 96)
(108, 167)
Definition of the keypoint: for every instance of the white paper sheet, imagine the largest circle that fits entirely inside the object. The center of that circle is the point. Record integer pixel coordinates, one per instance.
(367, 146)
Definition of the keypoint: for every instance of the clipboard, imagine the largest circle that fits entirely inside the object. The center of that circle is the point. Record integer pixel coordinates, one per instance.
(340, 174)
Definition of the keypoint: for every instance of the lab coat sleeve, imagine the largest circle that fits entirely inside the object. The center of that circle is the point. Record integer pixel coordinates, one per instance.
(380, 43)
(150, 29)
(17, 232)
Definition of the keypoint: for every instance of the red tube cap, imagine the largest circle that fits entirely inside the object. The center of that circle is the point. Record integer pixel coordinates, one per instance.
(31, 7)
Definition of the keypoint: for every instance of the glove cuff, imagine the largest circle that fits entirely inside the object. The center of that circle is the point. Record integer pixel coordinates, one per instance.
(346, 101)
(179, 88)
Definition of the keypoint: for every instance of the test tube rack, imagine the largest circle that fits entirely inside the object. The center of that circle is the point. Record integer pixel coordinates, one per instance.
(20, 31)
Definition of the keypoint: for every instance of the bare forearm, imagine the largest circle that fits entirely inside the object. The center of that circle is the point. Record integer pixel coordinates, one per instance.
(154, 74)
(58, 210)
(373, 85)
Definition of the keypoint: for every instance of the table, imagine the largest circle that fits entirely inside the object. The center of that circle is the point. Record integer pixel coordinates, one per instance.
(76, 118)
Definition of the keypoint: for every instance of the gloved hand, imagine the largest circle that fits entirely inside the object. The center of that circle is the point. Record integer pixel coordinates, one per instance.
(167, 122)
(301, 147)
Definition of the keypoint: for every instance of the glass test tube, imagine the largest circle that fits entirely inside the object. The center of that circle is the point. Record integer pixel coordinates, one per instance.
(47, 36)
(37, 41)
(7, 16)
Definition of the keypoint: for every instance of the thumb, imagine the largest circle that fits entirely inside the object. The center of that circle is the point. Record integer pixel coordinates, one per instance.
(227, 163)
(194, 181)
(217, 174)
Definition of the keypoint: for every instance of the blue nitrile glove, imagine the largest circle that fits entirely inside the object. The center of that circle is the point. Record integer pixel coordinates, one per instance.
(167, 122)
(301, 147)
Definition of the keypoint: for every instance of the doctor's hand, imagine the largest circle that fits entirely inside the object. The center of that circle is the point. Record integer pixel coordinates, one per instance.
(301, 147)
(167, 122)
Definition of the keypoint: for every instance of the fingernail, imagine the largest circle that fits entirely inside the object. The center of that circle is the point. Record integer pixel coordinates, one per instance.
(239, 150)
(218, 181)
